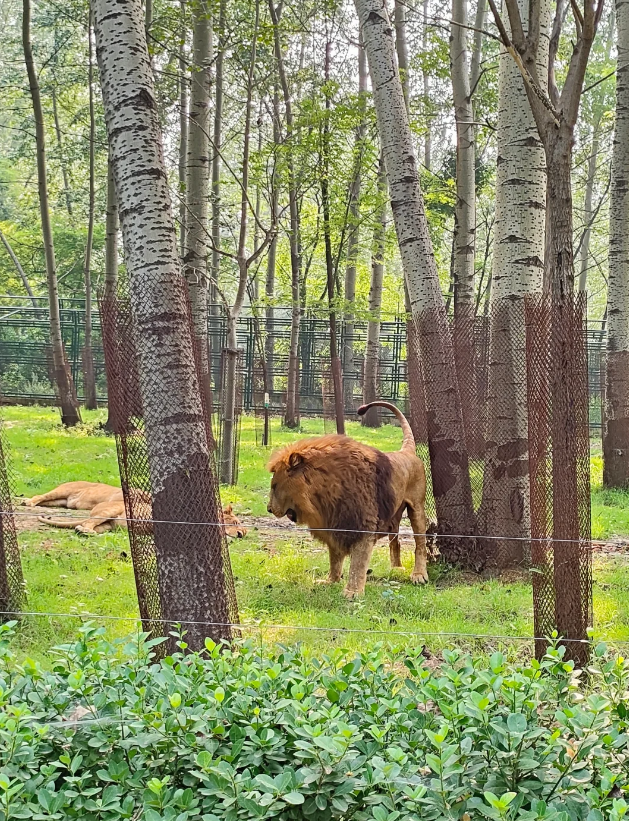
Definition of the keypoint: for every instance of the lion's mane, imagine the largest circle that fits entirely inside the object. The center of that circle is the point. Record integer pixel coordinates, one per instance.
(337, 483)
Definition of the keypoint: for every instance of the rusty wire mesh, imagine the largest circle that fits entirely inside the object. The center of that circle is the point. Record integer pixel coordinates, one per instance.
(417, 411)
(557, 379)
(469, 335)
(180, 557)
(504, 512)
(12, 592)
(230, 415)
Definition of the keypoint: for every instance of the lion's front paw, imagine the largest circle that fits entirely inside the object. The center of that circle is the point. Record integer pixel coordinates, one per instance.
(328, 580)
(352, 594)
(419, 576)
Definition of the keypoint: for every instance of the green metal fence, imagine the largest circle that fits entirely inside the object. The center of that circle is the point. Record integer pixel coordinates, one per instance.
(25, 359)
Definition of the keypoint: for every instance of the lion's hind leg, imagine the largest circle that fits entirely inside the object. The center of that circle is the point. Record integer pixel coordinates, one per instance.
(51, 499)
(395, 553)
(417, 516)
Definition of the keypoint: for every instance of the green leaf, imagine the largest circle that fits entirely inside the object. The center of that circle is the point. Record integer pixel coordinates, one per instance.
(516, 723)
(294, 798)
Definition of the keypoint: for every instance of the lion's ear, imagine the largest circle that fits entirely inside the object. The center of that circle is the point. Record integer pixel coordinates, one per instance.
(229, 508)
(295, 460)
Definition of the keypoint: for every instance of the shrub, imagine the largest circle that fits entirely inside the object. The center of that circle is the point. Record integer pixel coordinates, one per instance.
(111, 733)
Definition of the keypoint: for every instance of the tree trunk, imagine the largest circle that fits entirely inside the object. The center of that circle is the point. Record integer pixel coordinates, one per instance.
(464, 240)
(588, 214)
(269, 344)
(465, 209)
(217, 140)
(70, 414)
(426, 83)
(198, 187)
(89, 379)
(401, 48)
(111, 261)
(353, 235)
(335, 362)
(191, 564)
(518, 270)
(229, 475)
(291, 417)
(18, 267)
(183, 127)
(565, 450)
(62, 163)
(449, 460)
(371, 383)
(616, 417)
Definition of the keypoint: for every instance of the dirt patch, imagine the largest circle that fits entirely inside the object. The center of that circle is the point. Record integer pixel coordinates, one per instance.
(26, 517)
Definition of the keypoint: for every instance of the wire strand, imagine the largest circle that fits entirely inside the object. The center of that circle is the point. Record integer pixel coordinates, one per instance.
(289, 529)
(334, 629)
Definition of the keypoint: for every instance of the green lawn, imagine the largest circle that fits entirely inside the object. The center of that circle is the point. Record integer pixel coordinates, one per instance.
(275, 572)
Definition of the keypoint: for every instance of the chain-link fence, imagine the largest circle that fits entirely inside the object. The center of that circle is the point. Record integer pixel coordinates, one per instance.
(559, 470)
(12, 592)
(178, 544)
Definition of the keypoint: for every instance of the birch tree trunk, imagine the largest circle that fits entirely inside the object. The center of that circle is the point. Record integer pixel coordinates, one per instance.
(89, 381)
(70, 414)
(198, 186)
(616, 418)
(588, 214)
(111, 259)
(183, 126)
(217, 140)
(269, 344)
(353, 235)
(426, 83)
(465, 209)
(401, 48)
(449, 460)
(190, 559)
(64, 169)
(464, 241)
(335, 362)
(228, 468)
(291, 417)
(518, 270)
(371, 383)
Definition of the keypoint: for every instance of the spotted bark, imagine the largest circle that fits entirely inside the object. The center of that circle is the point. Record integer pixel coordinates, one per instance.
(198, 184)
(518, 270)
(616, 421)
(371, 382)
(448, 453)
(190, 559)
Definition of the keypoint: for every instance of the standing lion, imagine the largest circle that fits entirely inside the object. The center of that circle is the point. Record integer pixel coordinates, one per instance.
(350, 495)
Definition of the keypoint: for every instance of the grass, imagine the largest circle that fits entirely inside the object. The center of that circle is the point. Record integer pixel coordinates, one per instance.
(276, 573)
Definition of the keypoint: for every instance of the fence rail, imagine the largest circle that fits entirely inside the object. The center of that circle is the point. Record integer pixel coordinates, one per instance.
(26, 365)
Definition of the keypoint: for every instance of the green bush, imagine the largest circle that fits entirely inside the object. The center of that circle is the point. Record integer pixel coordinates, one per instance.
(242, 733)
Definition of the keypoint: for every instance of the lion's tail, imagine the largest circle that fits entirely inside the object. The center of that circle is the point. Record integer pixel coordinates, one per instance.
(408, 442)
(66, 523)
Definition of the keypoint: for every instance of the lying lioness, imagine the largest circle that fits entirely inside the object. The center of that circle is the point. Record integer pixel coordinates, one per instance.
(107, 508)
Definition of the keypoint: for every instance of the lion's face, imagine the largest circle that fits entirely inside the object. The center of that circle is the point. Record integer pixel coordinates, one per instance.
(287, 495)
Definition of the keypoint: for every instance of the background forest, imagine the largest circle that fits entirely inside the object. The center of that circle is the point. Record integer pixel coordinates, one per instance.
(333, 135)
